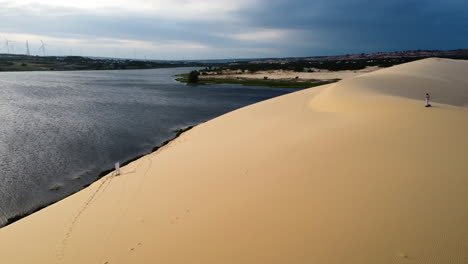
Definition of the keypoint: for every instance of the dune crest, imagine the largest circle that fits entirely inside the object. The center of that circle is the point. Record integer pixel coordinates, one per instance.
(357, 172)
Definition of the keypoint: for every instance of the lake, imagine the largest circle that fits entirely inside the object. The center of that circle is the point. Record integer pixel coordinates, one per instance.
(59, 130)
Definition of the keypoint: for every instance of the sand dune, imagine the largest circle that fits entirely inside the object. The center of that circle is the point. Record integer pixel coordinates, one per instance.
(354, 172)
(445, 80)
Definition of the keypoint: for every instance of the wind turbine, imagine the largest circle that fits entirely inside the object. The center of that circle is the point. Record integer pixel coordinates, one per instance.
(27, 49)
(42, 47)
(12, 47)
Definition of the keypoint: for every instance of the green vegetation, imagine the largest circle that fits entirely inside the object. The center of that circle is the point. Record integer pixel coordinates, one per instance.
(183, 77)
(296, 83)
(303, 65)
(11, 62)
(193, 77)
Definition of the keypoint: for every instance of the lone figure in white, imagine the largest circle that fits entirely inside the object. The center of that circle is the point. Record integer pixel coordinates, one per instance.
(428, 97)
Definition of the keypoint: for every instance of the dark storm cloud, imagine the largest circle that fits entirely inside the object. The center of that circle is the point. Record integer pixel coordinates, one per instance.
(359, 25)
(283, 28)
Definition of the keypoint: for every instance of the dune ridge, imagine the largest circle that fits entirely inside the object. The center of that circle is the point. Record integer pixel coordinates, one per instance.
(357, 171)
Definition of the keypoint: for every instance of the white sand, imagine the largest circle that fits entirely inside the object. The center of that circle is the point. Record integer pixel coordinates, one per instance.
(353, 172)
(288, 75)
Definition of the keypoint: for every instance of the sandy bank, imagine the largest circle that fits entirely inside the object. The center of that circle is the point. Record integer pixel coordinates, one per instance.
(352, 172)
(289, 75)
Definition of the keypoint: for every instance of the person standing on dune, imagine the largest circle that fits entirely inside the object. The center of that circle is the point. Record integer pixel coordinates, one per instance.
(428, 97)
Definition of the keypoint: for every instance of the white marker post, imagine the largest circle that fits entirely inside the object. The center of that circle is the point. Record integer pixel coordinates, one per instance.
(117, 168)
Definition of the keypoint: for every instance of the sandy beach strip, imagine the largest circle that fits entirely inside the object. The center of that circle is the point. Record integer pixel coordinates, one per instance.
(355, 172)
(318, 74)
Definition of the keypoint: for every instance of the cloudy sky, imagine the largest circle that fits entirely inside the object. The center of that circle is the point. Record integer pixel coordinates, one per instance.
(210, 29)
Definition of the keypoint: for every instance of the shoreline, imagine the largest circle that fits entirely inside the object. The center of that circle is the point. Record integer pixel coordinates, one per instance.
(97, 70)
(24, 63)
(178, 132)
(266, 82)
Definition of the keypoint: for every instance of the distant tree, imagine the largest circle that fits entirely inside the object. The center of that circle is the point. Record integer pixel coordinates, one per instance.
(193, 77)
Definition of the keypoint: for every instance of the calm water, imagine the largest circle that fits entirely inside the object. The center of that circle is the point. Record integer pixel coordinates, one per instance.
(63, 128)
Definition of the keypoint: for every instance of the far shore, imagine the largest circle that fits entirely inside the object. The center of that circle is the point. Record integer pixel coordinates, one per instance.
(265, 82)
(22, 63)
(274, 78)
(309, 75)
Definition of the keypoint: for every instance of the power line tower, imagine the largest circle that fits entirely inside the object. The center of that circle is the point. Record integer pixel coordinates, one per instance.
(42, 47)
